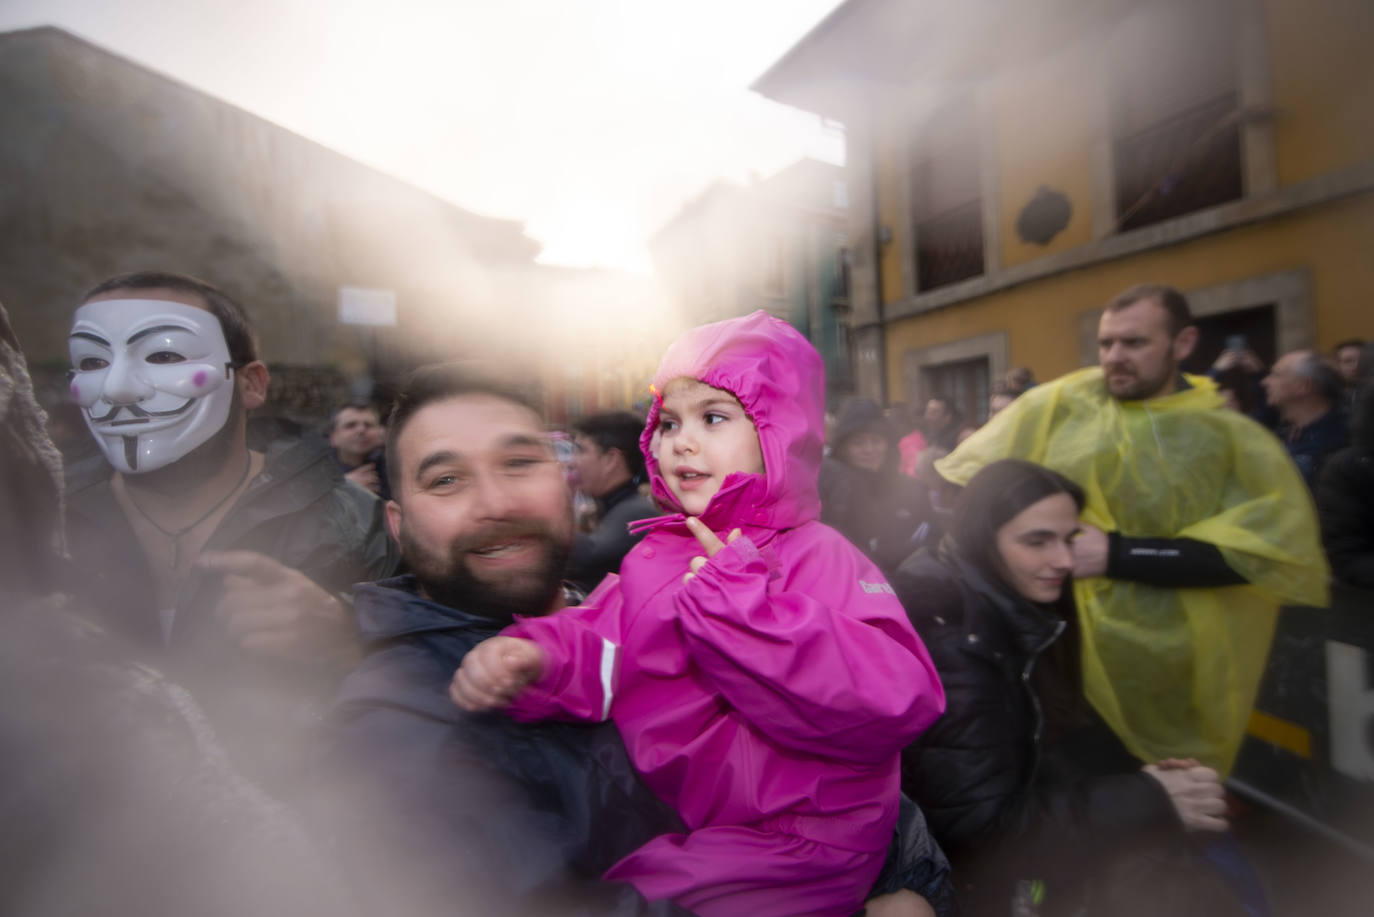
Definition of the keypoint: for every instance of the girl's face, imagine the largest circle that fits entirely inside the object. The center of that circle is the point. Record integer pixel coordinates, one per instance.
(1036, 547)
(703, 435)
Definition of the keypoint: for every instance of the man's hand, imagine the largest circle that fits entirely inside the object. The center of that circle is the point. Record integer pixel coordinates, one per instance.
(1225, 360)
(709, 541)
(1195, 791)
(365, 475)
(1090, 552)
(494, 672)
(272, 609)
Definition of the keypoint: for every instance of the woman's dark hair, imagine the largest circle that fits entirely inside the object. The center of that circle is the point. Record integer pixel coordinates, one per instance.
(993, 497)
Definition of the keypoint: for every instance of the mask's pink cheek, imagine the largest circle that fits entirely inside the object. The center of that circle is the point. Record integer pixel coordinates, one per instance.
(199, 379)
(76, 392)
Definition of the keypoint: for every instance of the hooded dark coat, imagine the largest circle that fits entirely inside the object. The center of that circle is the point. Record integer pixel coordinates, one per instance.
(884, 513)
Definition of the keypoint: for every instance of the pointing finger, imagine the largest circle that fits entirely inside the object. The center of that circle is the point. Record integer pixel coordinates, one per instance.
(708, 538)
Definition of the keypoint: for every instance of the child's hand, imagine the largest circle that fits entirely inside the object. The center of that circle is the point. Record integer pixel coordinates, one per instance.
(709, 541)
(494, 672)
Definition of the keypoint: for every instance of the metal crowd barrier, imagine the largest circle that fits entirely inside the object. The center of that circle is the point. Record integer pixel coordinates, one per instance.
(1309, 751)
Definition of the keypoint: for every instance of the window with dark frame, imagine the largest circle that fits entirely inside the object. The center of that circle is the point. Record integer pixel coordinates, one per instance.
(946, 197)
(1176, 126)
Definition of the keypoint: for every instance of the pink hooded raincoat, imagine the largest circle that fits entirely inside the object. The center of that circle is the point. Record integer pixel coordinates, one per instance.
(766, 699)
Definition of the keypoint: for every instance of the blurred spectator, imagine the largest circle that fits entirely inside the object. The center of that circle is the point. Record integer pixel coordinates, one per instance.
(1345, 490)
(1307, 395)
(941, 494)
(1183, 501)
(1238, 374)
(911, 441)
(966, 429)
(356, 434)
(1021, 779)
(940, 423)
(1020, 380)
(1348, 363)
(863, 493)
(608, 468)
(1346, 356)
(999, 399)
(234, 564)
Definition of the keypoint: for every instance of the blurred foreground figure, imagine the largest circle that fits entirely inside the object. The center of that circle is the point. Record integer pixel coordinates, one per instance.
(1021, 781)
(236, 562)
(1197, 526)
(434, 809)
(118, 797)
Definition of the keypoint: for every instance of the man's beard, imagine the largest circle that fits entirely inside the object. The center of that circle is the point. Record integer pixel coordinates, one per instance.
(446, 578)
(1136, 387)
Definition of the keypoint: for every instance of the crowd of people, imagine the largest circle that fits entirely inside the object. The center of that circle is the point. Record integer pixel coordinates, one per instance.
(796, 664)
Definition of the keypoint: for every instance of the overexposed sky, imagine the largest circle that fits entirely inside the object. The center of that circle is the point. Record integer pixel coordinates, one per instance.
(590, 120)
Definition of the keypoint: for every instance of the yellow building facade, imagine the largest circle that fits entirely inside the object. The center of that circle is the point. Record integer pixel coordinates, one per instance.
(1027, 164)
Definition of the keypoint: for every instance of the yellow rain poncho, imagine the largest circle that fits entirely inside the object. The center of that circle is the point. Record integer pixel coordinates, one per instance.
(1173, 671)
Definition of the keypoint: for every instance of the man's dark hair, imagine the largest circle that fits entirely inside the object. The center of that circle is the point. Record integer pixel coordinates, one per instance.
(616, 430)
(993, 497)
(1325, 380)
(1174, 302)
(352, 406)
(1348, 342)
(1019, 380)
(440, 382)
(233, 321)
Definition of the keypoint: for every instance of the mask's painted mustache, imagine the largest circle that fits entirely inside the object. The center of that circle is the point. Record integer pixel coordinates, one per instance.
(140, 415)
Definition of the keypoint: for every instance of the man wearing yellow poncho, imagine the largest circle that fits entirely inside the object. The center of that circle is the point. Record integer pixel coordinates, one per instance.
(1197, 528)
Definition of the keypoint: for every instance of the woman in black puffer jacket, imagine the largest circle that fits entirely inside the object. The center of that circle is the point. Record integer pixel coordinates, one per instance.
(1022, 783)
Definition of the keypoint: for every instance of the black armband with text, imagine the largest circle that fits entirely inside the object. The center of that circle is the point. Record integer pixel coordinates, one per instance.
(1179, 563)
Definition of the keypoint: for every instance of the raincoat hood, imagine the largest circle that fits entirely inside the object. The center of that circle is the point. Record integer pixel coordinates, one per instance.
(779, 379)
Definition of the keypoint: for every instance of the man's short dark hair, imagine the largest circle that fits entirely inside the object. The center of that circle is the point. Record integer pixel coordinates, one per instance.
(1174, 303)
(1348, 342)
(353, 406)
(440, 382)
(616, 430)
(233, 321)
(1325, 380)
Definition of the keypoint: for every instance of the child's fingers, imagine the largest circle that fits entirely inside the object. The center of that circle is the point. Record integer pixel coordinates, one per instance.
(708, 538)
(734, 533)
(523, 659)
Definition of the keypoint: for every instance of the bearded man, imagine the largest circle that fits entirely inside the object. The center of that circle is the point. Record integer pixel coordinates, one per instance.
(1197, 527)
(450, 813)
(230, 566)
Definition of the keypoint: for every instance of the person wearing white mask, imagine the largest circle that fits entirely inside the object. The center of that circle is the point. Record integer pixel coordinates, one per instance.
(233, 563)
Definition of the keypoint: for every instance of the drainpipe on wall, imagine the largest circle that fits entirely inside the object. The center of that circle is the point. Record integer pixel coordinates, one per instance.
(878, 258)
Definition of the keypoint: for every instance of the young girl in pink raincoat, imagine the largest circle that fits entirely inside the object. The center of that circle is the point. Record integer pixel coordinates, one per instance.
(759, 668)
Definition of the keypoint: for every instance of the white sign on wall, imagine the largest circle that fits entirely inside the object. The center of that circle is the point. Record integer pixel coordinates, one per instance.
(361, 306)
